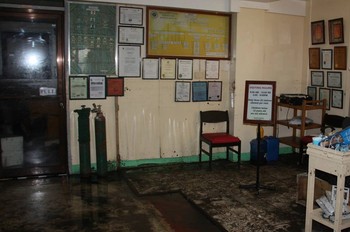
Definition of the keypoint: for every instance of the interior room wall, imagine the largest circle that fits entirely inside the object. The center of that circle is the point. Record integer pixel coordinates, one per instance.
(269, 46)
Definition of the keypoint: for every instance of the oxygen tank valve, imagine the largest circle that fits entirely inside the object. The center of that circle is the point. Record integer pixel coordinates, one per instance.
(97, 109)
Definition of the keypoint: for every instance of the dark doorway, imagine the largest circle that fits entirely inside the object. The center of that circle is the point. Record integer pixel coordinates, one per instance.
(32, 96)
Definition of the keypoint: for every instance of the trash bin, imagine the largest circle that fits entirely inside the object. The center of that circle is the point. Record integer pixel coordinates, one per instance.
(272, 149)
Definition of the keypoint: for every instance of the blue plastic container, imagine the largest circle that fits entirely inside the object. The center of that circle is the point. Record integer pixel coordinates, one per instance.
(254, 151)
(272, 148)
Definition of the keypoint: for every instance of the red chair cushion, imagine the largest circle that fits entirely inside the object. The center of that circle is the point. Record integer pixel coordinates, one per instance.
(218, 138)
(306, 139)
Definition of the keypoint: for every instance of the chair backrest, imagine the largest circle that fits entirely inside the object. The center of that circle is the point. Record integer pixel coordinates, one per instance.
(331, 121)
(346, 122)
(214, 116)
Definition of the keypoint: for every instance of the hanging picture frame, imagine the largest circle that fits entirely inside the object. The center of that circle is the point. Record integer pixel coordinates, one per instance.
(317, 78)
(97, 87)
(334, 79)
(182, 91)
(314, 58)
(326, 57)
(167, 69)
(130, 15)
(214, 90)
(115, 86)
(317, 32)
(324, 93)
(129, 64)
(312, 92)
(130, 35)
(337, 98)
(150, 69)
(184, 69)
(199, 91)
(336, 31)
(340, 58)
(78, 87)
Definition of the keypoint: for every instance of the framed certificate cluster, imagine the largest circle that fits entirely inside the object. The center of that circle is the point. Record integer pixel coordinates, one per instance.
(198, 91)
(333, 59)
(331, 91)
(130, 38)
(94, 87)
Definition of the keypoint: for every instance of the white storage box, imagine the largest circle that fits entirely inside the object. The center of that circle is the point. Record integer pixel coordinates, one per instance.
(12, 151)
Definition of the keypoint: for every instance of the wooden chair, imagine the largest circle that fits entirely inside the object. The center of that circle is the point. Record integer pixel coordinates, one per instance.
(221, 138)
(330, 121)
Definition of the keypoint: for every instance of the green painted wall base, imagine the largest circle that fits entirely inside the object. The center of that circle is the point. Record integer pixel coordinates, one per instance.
(112, 165)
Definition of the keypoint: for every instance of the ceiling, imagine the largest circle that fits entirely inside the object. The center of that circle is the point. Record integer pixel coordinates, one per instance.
(267, 1)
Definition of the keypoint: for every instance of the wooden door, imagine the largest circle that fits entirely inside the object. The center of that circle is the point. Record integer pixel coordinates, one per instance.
(32, 93)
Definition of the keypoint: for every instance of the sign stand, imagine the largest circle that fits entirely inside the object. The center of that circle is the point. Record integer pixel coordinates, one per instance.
(257, 184)
(258, 109)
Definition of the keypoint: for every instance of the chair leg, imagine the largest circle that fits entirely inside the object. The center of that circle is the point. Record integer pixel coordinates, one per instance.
(239, 155)
(200, 152)
(210, 156)
(301, 151)
(227, 153)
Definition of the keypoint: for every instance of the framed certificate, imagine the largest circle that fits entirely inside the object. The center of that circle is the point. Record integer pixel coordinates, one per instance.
(312, 92)
(337, 98)
(130, 35)
(334, 79)
(97, 87)
(314, 58)
(182, 91)
(317, 32)
(78, 87)
(340, 58)
(212, 69)
(129, 64)
(184, 69)
(115, 86)
(336, 31)
(317, 78)
(214, 90)
(167, 69)
(326, 56)
(324, 93)
(199, 91)
(150, 69)
(130, 15)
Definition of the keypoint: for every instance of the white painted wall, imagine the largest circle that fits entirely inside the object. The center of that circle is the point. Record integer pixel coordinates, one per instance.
(269, 47)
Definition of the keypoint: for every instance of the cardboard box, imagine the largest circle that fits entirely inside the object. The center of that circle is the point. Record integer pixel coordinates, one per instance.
(11, 151)
(321, 186)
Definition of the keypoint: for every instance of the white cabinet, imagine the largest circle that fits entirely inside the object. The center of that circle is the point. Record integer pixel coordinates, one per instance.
(333, 162)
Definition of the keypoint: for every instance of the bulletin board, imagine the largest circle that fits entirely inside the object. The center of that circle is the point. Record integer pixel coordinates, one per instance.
(188, 34)
(92, 39)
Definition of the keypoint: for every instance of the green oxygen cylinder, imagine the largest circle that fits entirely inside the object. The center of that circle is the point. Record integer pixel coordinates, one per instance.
(100, 139)
(84, 141)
